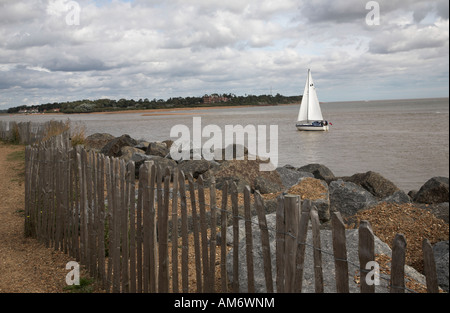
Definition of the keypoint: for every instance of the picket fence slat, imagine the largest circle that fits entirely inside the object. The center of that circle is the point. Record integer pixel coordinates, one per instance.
(302, 234)
(340, 253)
(429, 267)
(264, 241)
(398, 264)
(195, 226)
(291, 213)
(249, 241)
(223, 244)
(366, 250)
(281, 229)
(184, 233)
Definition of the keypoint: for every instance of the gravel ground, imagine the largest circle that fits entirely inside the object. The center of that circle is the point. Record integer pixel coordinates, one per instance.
(26, 266)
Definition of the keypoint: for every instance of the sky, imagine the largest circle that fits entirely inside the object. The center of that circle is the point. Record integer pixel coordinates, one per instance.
(60, 50)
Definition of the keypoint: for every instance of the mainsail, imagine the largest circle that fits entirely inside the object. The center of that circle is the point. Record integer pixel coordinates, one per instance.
(310, 107)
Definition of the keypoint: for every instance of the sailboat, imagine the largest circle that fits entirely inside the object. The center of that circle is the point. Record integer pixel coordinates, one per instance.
(310, 116)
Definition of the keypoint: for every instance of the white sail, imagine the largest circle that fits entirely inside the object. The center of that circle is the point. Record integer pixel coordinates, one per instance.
(303, 112)
(310, 107)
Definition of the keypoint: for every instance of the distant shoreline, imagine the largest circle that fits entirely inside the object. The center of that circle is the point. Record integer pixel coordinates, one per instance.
(162, 111)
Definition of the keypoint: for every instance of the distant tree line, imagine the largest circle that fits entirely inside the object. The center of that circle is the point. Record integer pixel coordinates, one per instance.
(108, 105)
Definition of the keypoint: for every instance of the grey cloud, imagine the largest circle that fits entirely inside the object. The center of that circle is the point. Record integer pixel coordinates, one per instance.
(349, 11)
(75, 64)
(409, 38)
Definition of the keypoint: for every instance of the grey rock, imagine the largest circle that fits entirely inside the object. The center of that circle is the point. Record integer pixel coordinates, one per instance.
(412, 193)
(328, 265)
(319, 171)
(158, 149)
(373, 182)
(197, 167)
(231, 152)
(290, 176)
(126, 153)
(435, 190)
(266, 185)
(140, 158)
(97, 141)
(441, 256)
(323, 209)
(143, 145)
(113, 147)
(348, 198)
(398, 197)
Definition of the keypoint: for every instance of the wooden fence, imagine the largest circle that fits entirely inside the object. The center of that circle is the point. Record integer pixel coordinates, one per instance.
(153, 234)
(28, 133)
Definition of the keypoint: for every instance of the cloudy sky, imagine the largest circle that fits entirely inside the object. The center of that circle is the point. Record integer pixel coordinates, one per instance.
(60, 50)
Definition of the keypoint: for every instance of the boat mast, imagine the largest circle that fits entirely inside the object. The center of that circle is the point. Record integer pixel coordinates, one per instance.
(307, 102)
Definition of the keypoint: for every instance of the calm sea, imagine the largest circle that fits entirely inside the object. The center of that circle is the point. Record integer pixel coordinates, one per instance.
(406, 141)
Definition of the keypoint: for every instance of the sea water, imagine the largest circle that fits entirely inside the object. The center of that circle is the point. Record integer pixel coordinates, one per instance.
(406, 141)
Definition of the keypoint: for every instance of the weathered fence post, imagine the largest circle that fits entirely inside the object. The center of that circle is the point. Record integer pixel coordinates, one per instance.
(249, 241)
(174, 235)
(429, 267)
(292, 213)
(264, 241)
(398, 264)
(280, 244)
(366, 254)
(195, 222)
(212, 248)
(235, 211)
(301, 244)
(223, 243)
(340, 253)
(184, 234)
(317, 252)
(203, 234)
(163, 252)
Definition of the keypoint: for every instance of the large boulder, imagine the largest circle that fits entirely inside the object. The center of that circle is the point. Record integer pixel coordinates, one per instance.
(141, 158)
(143, 145)
(243, 171)
(328, 265)
(375, 183)
(319, 171)
(231, 152)
(97, 141)
(441, 254)
(290, 176)
(266, 185)
(435, 190)
(399, 197)
(348, 198)
(197, 167)
(440, 210)
(113, 148)
(158, 149)
(126, 153)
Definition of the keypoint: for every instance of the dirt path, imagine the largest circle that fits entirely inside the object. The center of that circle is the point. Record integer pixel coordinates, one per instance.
(26, 266)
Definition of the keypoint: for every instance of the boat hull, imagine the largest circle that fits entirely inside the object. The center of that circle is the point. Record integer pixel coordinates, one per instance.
(312, 127)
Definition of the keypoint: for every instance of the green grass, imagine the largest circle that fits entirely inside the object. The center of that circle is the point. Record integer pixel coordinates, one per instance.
(85, 286)
(18, 160)
(16, 156)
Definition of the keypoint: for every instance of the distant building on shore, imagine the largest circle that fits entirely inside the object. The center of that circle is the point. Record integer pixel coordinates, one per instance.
(214, 98)
(28, 111)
